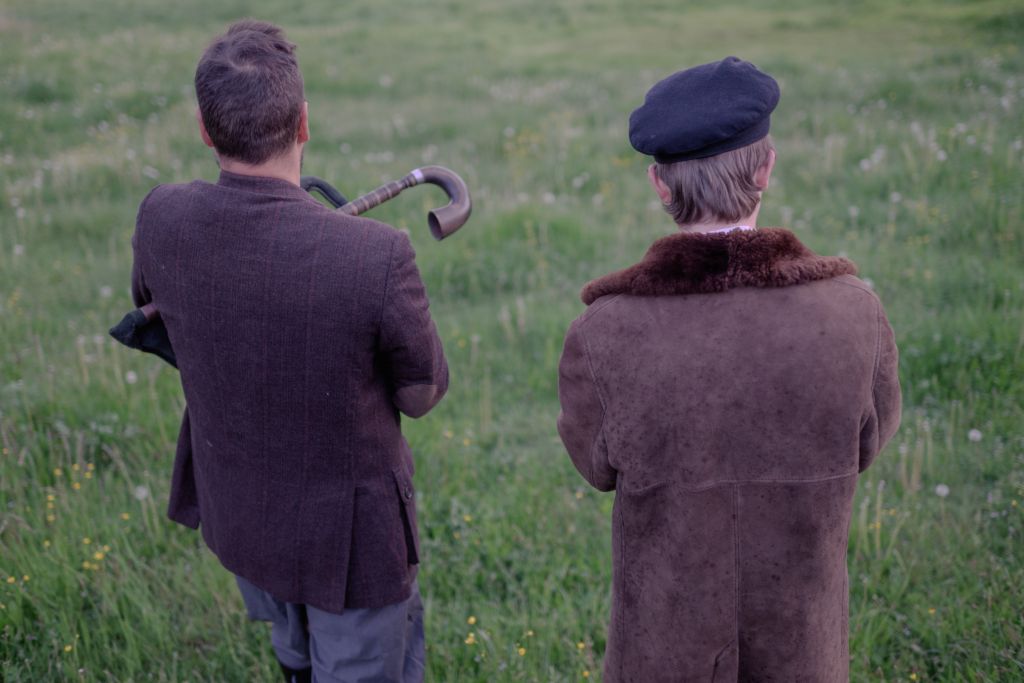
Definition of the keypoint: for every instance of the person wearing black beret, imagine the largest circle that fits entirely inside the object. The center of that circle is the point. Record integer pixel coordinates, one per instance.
(729, 387)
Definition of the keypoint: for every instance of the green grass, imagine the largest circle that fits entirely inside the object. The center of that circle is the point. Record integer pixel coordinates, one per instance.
(900, 145)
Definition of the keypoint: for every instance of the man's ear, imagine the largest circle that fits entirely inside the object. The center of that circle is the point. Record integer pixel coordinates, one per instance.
(304, 124)
(658, 184)
(202, 129)
(764, 174)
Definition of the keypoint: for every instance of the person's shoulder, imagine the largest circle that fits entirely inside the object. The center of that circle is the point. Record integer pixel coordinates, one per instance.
(854, 282)
(168, 195)
(371, 232)
(857, 290)
(601, 309)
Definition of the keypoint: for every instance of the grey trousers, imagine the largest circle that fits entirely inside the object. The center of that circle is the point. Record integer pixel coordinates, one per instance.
(382, 645)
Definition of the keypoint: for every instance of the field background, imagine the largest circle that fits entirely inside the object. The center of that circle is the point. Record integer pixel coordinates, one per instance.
(900, 145)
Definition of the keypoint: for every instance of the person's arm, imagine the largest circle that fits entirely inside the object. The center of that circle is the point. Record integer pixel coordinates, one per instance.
(409, 341)
(140, 293)
(582, 415)
(886, 401)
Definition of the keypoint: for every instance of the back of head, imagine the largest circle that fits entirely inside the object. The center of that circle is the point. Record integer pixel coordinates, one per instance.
(716, 188)
(707, 129)
(250, 92)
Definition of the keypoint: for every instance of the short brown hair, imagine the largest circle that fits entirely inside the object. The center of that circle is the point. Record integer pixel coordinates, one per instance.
(250, 92)
(716, 188)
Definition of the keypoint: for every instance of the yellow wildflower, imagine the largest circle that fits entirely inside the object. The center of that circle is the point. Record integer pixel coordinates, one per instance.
(88, 475)
(125, 516)
(86, 541)
(466, 441)
(521, 651)
(68, 648)
(913, 677)
(75, 467)
(50, 497)
(467, 518)
(50, 518)
(26, 577)
(98, 556)
(86, 564)
(581, 645)
(529, 634)
(90, 467)
(46, 543)
(448, 433)
(76, 485)
(106, 548)
(11, 579)
(471, 620)
(586, 674)
(470, 639)
(931, 610)
(57, 472)
(50, 506)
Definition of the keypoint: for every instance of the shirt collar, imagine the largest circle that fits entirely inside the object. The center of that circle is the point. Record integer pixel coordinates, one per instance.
(729, 229)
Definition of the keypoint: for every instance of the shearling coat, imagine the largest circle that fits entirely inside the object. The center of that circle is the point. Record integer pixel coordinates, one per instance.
(300, 333)
(729, 388)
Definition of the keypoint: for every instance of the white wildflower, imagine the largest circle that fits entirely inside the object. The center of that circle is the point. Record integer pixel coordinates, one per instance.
(974, 435)
(19, 249)
(131, 377)
(141, 492)
(941, 490)
(106, 291)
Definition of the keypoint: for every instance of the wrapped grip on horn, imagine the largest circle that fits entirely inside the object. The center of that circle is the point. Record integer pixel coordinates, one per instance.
(442, 221)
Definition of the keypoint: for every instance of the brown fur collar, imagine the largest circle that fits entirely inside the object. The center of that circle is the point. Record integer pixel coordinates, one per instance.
(696, 263)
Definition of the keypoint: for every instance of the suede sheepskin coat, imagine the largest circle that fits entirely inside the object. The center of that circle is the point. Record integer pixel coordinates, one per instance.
(729, 388)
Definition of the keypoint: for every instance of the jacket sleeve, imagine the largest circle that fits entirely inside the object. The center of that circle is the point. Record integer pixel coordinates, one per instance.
(409, 343)
(581, 419)
(140, 293)
(886, 401)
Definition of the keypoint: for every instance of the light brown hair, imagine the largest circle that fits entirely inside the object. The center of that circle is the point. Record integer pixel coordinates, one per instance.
(716, 188)
(250, 92)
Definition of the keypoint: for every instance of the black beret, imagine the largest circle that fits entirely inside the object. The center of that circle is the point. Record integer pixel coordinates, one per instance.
(703, 111)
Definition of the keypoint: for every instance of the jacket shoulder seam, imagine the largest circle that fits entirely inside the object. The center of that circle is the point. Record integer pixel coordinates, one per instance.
(596, 308)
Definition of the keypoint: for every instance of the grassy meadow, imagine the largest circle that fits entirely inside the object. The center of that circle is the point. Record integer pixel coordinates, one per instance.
(901, 145)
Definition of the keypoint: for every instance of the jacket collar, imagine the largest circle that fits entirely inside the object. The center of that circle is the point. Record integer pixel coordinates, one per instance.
(700, 263)
(262, 185)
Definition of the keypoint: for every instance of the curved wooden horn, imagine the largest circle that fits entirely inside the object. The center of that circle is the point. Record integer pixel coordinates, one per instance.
(443, 221)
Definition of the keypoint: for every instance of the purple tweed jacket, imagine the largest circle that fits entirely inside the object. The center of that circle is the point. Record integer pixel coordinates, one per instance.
(300, 334)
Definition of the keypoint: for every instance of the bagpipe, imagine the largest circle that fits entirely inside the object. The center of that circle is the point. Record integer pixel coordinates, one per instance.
(143, 329)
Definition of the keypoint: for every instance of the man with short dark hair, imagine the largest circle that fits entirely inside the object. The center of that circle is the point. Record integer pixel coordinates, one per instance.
(729, 388)
(300, 334)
